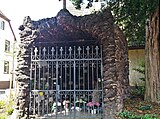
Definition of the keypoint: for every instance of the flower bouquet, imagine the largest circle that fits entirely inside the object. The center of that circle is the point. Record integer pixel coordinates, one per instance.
(93, 106)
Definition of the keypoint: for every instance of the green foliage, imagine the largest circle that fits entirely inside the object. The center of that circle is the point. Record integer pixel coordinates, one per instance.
(129, 115)
(9, 110)
(138, 92)
(131, 16)
(141, 69)
(2, 116)
(9, 107)
(2, 104)
(77, 3)
(146, 107)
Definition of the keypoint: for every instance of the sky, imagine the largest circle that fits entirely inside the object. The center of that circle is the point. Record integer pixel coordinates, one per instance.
(16, 10)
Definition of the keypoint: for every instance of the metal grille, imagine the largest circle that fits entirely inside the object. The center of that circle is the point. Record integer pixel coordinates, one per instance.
(66, 82)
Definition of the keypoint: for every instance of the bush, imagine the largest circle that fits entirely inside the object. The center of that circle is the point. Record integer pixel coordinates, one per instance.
(129, 115)
(9, 111)
(146, 107)
(138, 91)
(3, 116)
(6, 108)
(2, 104)
(141, 69)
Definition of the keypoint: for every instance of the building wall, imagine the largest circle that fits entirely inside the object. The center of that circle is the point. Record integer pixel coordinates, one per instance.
(136, 56)
(6, 34)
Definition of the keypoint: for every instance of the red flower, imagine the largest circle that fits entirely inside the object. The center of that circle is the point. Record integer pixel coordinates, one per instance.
(91, 104)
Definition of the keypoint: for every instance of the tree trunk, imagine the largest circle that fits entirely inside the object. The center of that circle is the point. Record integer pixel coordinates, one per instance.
(152, 58)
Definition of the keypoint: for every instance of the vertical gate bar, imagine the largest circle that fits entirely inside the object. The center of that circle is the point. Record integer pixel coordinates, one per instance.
(88, 79)
(92, 80)
(92, 72)
(52, 88)
(65, 81)
(70, 67)
(52, 73)
(74, 84)
(35, 87)
(88, 92)
(48, 87)
(97, 86)
(60, 77)
(31, 79)
(83, 71)
(56, 83)
(97, 67)
(47, 101)
(79, 70)
(88, 73)
(79, 78)
(61, 74)
(38, 106)
(48, 84)
(43, 88)
(39, 85)
(44, 79)
(65, 70)
(61, 85)
(70, 94)
(102, 77)
(52, 77)
(70, 63)
(57, 89)
(39, 89)
(97, 74)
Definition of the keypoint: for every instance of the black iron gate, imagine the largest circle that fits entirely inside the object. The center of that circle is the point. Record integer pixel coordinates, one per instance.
(66, 82)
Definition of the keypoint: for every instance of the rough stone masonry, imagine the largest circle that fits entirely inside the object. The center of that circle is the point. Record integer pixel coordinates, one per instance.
(65, 28)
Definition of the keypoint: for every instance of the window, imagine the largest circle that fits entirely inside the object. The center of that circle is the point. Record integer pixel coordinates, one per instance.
(6, 67)
(7, 46)
(2, 25)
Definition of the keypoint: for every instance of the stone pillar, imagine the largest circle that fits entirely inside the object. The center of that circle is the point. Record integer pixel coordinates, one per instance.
(27, 35)
(122, 66)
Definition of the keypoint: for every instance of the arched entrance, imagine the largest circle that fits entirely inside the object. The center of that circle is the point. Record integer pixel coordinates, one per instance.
(75, 69)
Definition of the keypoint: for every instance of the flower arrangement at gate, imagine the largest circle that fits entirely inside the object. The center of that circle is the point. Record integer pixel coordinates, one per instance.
(93, 106)
(93, 103)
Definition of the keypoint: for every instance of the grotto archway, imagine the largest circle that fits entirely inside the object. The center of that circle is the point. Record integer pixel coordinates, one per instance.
(66, 29)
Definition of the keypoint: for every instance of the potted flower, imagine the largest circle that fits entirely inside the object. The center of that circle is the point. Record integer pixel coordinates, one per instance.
(93, 106)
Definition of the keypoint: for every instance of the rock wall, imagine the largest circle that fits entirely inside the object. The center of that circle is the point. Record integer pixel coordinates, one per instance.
(27, 36)
(122, 67)
(66, 28)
